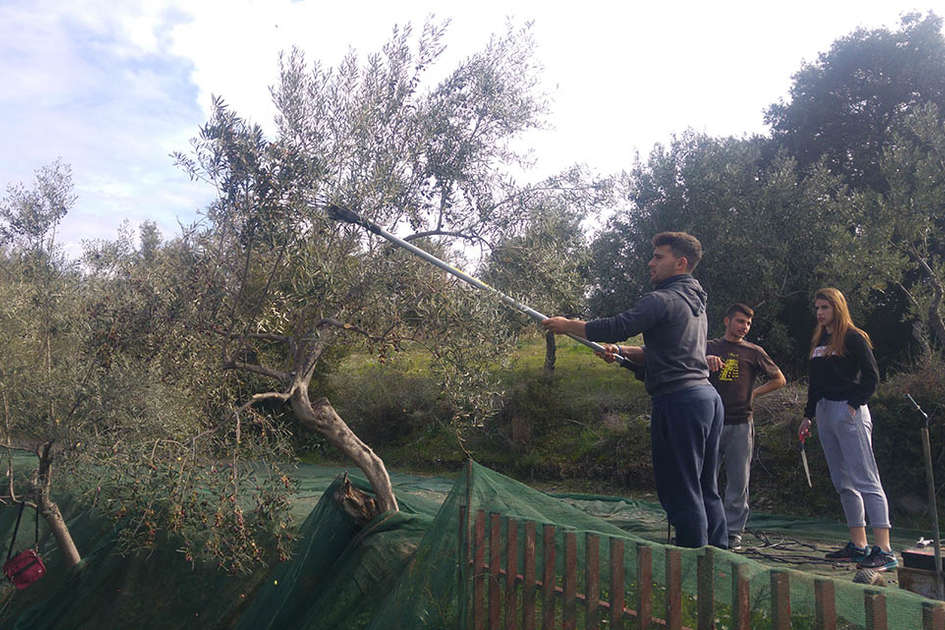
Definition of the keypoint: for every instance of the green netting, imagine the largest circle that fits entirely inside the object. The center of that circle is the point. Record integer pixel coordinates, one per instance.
(404, 570)
(161, 590)
(157, 590)
(435, 590)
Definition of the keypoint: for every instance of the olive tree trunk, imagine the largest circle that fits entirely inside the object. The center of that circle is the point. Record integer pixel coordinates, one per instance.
(321, 416)
(50, 511)
(550, 351)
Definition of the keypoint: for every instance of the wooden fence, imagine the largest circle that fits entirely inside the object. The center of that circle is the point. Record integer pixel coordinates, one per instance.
(507, 596)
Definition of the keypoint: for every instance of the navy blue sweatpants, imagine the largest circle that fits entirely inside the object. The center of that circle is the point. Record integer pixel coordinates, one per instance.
(686, 427)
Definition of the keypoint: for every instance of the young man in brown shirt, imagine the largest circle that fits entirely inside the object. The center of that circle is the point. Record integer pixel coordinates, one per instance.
(735, 364)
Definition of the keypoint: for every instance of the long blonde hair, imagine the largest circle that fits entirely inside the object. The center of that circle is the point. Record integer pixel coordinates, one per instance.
(842, 322)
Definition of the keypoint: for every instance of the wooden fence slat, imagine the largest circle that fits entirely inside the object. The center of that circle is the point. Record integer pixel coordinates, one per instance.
(825, 605)
(673, 589)
(479, 567)
(463, 555)
(512, 607)
(616, 583)
(875, 610)
(780, 600)
(511, 574)
(741, 595)
(530, 587)
(592, 581)
(705, 590)
(645, 582)
(548, 580)
(463, 540)
(495, 550)
(933, 616)
(570, 581)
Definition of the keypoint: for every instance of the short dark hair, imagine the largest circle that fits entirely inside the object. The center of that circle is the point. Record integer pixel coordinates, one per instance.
(681, 244)
(738, 307)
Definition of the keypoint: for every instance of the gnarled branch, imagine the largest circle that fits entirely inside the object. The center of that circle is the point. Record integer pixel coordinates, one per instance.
(257, 369)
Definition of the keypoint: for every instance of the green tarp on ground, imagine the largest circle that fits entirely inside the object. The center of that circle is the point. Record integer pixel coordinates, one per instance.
(402, 570)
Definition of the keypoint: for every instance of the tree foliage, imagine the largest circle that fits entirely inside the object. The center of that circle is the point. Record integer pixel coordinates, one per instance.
(167, 455)
(897, 247)
(103, 383)
(30, 215)
(41, 383)
(763, 224)
(842, 105)
(288, 291)
(544, 262)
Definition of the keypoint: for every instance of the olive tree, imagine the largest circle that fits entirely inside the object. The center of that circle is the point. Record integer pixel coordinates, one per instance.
(288, 291)
(102, 381)
(39, 385)
(168, 458)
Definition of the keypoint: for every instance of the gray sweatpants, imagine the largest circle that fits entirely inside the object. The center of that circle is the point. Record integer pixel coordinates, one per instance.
(735, 448)
(848, 446)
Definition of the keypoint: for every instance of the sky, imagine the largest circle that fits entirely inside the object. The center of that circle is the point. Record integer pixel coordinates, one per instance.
(113, 88)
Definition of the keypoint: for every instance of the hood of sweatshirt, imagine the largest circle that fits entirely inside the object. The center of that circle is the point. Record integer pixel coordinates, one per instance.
(688, 289)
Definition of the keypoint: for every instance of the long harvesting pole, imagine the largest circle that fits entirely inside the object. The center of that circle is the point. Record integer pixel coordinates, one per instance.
(343, 214)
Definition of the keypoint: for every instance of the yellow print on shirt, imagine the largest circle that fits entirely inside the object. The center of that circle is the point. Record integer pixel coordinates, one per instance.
(729, 371)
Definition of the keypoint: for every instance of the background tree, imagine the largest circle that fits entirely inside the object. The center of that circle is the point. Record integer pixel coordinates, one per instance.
(842, 113)
(544, 263)
(100, 382)
(841, 106)
(40, 387)
(166, 456)
(897, 247)
(760, 222)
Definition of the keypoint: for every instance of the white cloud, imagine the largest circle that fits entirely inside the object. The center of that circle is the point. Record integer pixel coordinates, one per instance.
(113, 87)
(92, 85)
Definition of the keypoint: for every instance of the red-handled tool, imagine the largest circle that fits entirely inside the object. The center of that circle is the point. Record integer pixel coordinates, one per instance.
(803, 438)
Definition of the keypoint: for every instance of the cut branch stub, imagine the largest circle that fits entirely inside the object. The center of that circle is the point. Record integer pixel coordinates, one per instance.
(356, 503)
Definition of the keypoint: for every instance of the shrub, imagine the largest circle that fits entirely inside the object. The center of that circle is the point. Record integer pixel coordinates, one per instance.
(386, 405)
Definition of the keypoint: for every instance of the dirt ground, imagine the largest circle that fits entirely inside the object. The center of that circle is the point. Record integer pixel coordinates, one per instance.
(780, 550)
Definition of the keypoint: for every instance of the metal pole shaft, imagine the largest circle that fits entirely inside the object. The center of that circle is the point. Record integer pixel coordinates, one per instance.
(933, 508)
(430, 258)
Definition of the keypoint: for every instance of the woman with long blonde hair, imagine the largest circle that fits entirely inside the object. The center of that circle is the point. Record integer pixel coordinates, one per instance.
(842, 377)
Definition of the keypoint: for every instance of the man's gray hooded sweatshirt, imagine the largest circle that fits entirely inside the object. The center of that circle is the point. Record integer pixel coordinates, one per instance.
(673, 321)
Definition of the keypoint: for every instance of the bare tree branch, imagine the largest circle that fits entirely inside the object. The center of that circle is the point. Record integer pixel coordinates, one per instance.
(463, 235)
(283, 396)
(334, 323)
(262, 336)
(257, 369)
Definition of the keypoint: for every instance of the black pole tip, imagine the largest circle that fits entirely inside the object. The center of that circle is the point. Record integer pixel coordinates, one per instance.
(338, 213)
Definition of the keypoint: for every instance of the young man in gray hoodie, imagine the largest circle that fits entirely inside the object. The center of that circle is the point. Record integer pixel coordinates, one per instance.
(687, 411)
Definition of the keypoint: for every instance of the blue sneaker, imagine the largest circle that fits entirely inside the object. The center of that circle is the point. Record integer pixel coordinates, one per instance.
(879, 560)
(850, 552)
